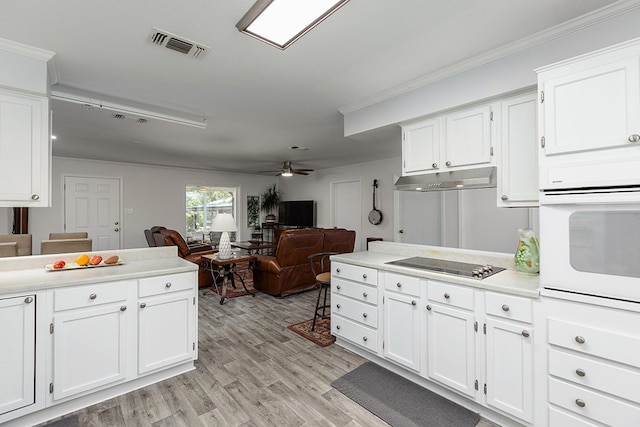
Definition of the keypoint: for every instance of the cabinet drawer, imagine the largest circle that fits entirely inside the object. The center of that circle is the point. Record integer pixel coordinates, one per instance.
(355, 272)
(596, 342)
(509, 307)
(457, 296)
(593, 405)
(354, 332)
(163, 284)
(89, 295)
(356, 291)
(597, 375)
(360, 312)
(563, 419)
(406, 285)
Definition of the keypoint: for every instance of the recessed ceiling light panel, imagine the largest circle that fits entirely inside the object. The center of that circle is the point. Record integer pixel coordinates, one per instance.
(282, 22)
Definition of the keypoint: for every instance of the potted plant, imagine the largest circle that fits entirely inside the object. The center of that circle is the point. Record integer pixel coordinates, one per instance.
(269, 201)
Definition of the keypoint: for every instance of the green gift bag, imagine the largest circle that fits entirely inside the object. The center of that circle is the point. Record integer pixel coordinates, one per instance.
(527, 256)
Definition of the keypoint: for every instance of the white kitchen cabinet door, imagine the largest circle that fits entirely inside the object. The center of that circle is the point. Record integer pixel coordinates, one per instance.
(591, 105)
(468, 137)
(518, 152)
(451, 348)
(166, 330)
(510, 368)
(402, 329)
(89, 348)
(25, 153)
(17, 363)
(421, 147)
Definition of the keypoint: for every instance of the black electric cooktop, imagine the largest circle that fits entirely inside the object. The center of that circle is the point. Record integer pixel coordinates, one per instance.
(474, 271)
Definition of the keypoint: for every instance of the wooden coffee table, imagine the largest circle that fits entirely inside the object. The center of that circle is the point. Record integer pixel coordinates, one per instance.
(226, 268)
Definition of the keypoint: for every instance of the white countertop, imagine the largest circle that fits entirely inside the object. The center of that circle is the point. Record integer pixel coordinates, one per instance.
(28, 274)
(508, 281)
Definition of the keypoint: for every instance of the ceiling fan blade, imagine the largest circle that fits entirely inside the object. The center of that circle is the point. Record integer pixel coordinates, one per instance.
(299, 172)
(304, 170)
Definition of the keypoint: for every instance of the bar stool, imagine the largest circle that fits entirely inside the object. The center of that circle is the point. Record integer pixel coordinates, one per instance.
(320, 267)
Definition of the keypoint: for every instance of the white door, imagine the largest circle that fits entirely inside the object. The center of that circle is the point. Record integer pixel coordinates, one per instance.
(93, 205)
(418, 217)
(346, 208)
(468, 140)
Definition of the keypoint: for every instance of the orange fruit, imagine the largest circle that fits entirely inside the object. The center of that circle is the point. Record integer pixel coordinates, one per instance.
(82, 259)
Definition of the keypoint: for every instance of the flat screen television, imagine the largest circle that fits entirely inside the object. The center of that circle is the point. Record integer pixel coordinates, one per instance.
(297, 213)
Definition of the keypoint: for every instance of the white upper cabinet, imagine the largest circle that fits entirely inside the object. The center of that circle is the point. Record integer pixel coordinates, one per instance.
(518, 152)
(456, 140)
(25, 151)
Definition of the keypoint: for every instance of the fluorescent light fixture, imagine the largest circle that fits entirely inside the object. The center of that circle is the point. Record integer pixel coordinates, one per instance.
(282, 22)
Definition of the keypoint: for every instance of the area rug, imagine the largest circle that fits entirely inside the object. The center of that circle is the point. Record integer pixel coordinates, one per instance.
(243, 271)
(400, 402)
(322, 334)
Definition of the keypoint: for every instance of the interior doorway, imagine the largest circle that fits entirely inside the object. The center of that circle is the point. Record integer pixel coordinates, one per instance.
(347, 193)
(418, 217)
(92, 204)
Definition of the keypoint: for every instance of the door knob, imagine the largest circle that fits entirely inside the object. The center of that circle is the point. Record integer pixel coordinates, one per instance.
(116, 229)
(401, 231)
(116, 223)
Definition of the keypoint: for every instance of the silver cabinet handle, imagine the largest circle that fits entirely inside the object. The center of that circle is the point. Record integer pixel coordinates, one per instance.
(364, 276)
(337, 270)
(525, 334)
(35, 197)
(123, 308)
(504, 197)
(505, 307)
(338, 306)
(28, 300)
(338, 287)
(364, 294)
(434, 165)
(580, 403)
(398, 285)
(93, 296)
(413, 302)
(143, 305)
(365, 339)
(580, 372)
(364, 315)
(167, 285)
(634, 138)
(580, 340)
(446, 295)
(448, 163)
(429, 307)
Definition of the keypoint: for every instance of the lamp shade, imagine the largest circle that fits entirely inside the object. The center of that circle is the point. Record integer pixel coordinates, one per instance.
(224, 222)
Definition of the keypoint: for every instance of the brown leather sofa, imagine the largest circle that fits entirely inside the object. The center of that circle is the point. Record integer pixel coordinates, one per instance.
(167, 237)
(288, 271)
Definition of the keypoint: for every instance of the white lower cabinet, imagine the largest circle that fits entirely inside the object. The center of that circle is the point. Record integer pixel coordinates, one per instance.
(89, 337)
(17, 363)
(402, 320)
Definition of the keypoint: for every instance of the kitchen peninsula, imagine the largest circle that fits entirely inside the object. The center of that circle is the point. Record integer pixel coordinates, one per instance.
(468, 339)
(75, 337)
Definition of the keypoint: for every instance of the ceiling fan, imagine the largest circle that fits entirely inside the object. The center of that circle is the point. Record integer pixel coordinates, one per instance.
(287, 170)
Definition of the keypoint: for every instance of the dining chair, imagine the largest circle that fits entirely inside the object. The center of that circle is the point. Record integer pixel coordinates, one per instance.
(321, 267)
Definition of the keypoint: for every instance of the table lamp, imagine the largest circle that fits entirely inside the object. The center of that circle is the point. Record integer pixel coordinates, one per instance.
(224, 222)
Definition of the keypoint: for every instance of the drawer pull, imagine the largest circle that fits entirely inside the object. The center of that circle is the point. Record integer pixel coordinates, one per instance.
(123, 308)
(338, 287)
(398, 285)
(167, 285)
(143, 305)
(338, 306)
(28, 300)
(580, 340)
(365, 339)
(505, 307)
(413, 302)
(580, 372)
(93, 296)
(364, 276)
(364, 294)
(429, 307)
(337, 326)
(364, 315)
(337, 270)
(525, 334)
(446, 295)
(580, 403)
(634, 138)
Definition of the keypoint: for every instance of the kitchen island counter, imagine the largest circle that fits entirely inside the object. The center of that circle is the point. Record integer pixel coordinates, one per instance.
(508, 281)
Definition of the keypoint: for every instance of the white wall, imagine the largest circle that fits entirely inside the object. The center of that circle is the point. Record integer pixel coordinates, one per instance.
(156, 195)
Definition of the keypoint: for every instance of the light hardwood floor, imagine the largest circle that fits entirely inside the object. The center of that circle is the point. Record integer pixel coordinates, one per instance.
(252, 371)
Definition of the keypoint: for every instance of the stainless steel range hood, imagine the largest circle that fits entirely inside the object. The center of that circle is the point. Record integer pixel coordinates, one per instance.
(453, 180)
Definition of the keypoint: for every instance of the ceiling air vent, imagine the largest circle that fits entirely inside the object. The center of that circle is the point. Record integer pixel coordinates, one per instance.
(179, 44)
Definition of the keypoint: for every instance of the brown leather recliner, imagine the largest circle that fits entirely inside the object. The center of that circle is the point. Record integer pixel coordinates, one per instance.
(168, 237)
(289, 271)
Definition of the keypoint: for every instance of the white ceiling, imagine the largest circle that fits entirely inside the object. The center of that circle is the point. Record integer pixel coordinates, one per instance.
(257, 100)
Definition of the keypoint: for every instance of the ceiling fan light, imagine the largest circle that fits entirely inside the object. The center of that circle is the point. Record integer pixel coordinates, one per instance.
(287, 173)
(282, 22)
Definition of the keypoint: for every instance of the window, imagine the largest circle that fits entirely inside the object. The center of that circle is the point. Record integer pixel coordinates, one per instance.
(203, 204)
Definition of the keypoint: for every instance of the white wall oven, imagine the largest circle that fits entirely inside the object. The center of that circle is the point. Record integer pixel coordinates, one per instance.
(590, 241)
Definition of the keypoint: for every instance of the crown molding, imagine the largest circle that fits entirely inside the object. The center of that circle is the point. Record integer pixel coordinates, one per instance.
(25, 50)
(544, 36)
